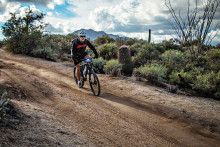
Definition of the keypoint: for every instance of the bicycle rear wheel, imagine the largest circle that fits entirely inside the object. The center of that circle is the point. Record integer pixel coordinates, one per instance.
(81, 76)
(94, 83)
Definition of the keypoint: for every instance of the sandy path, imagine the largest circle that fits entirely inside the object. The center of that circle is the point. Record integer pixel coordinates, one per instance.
(127, 113)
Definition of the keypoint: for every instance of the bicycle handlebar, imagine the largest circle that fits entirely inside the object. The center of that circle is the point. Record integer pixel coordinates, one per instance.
(87, 60)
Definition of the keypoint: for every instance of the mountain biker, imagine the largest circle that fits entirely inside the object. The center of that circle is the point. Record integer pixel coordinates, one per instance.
(78, 52)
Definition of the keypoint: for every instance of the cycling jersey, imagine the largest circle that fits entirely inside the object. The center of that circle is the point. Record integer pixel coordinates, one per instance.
(78, 48)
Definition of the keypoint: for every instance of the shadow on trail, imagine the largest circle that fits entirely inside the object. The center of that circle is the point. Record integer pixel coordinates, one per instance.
(183, 116)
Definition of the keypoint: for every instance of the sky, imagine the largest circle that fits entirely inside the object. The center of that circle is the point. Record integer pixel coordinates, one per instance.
(131, 18)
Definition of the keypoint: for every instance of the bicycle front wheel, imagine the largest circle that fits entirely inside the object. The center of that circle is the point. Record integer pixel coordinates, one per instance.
(94, 83)
(81, 76)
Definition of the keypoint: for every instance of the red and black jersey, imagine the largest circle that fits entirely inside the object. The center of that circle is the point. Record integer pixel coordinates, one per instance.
(78, 48)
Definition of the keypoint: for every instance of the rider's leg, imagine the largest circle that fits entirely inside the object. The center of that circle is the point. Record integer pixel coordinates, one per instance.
(78, 72)
(87, 56)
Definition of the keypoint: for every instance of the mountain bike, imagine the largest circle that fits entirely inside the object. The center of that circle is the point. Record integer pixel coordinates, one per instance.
(86, 69)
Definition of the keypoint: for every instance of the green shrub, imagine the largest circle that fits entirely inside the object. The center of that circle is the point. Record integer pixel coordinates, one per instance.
(112, 65)
(211, 60)
(46, 53)
(90, 52)
(98, 65)
(147, 54)
(1, 44)
(201, 80)
(173, 57)
(3, 101)
(152, 72)
(103, 40)
(59, 43)
(22, 36)
(2, 89)
(207, 83)
(189, 76)
(136, 48)
(107, 51)
(173, 78)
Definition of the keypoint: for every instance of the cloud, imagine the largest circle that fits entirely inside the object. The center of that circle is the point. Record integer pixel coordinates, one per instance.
(37, 2)
(19, 11)
(8, 8)
(53, 29)
(129, 15)
(132, 18)
(47, 3)
(49, 13)
(214, 35)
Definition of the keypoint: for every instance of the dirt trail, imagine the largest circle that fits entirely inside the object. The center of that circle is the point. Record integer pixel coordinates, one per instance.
(127, 113)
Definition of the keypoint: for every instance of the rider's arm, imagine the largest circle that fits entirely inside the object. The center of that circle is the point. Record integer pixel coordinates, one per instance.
(73, 49)
(93, 49)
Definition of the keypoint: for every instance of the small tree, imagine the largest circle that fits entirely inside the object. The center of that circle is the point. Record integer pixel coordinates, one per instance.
(22, 33)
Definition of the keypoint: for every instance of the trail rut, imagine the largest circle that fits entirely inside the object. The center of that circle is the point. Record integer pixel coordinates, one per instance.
(127, 112)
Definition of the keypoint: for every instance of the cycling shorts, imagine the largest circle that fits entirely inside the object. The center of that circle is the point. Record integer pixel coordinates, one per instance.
(80, 58)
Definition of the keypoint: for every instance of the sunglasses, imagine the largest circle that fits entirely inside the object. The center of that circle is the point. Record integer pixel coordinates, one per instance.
(82, 36)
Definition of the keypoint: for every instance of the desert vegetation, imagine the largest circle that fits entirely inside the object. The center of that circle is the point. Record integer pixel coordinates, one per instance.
(197, 63)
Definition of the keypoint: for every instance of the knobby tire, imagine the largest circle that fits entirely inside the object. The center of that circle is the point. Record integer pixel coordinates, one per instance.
(94, 83)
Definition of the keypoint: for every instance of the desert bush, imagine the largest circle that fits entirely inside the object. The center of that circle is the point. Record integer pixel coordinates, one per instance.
(131, 41)
(112, 65)
(189, 76)
(3, 101)
(1, 44)
(23, 33)
(207, 83)
(136, 48)
(153, 72)
(147, 54)
(90, 52)
(171, 44)
(59, 43)
(45, 53)
(173, 59)
(217, 93)
(120, 41)
(210, 60)
(107, 51)
(174, 56)
(103, 40)
(2, 88)
(203, 81)
(98, 65)
(3, 104)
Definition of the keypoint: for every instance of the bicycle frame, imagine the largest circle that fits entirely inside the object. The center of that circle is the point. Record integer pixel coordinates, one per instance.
(88, 64)
(93, 78)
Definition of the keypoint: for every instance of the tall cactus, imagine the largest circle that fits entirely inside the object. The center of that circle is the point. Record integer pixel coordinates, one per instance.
(149, 36)
(124, 57)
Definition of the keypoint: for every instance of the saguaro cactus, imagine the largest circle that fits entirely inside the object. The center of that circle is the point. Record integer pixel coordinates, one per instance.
(124, 57)
(149, 36)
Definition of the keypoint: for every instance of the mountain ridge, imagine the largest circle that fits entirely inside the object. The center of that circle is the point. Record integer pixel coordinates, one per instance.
(92, 34)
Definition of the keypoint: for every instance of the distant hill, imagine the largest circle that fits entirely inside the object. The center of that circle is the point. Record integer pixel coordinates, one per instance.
(94, 34)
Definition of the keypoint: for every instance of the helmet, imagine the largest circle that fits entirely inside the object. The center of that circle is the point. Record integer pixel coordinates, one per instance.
(82, 33)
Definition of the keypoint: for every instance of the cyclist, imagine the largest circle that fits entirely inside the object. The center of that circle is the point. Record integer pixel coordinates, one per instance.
(78, 52)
